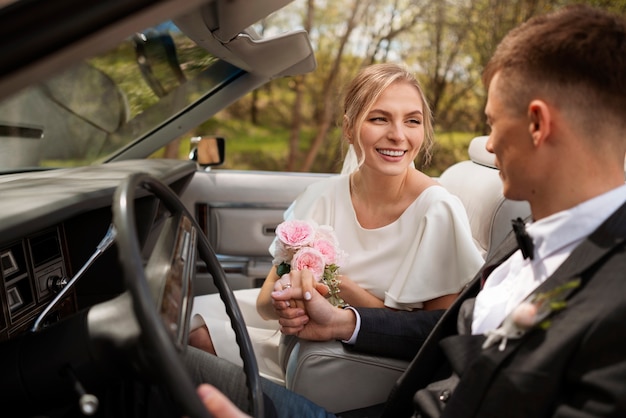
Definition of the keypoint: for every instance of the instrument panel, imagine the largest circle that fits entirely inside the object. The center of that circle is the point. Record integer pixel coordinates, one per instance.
(33, 270)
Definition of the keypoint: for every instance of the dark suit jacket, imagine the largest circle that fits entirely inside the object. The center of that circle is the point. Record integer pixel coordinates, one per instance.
(398, 336)
(577, 364)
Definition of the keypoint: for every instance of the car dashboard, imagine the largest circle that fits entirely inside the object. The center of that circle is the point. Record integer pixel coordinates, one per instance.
(51, 224)
(33, 270)
(65, 300)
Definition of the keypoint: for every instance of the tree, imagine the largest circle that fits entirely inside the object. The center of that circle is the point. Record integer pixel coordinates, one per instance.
(347, 36)
(445, 42)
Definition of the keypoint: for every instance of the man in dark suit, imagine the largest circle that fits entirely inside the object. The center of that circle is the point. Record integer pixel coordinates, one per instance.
(541, 329)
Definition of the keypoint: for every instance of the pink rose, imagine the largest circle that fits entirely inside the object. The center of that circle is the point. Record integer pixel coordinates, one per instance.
(328, 250)
(296, 233)
(309, 258)
(282, 253)
(525, 315)
(326, 232)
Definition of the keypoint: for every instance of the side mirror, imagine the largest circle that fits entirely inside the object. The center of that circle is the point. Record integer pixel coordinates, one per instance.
(207, 151)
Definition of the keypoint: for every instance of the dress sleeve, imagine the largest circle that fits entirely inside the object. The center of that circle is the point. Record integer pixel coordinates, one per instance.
(442, 257)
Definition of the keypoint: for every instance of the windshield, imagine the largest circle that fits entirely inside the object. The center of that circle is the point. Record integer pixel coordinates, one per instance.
(107, 102)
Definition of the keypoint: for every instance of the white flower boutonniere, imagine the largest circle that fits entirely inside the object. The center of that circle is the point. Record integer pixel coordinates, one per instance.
(531, 313)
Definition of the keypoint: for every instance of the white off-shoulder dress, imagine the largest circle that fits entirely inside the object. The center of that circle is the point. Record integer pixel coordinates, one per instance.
(426, 253)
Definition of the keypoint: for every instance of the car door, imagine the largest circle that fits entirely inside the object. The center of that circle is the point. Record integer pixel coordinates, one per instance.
(239, 211)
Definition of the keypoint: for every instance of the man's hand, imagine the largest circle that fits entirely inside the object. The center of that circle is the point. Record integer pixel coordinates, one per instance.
(217, 403)
(312, 317)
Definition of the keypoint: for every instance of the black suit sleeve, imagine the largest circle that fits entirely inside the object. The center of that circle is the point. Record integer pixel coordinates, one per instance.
(396, 334)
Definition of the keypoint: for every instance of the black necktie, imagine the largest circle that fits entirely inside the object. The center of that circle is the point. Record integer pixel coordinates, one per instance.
(524, 241)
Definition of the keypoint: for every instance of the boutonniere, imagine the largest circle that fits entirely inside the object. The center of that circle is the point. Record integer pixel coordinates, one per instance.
(534, 312)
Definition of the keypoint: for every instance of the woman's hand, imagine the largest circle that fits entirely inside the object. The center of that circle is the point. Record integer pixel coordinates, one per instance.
(264, 305)
(313, 318)
(287, 299)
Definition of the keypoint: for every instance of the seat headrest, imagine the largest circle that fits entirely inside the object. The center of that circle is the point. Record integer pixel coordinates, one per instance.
(479, 154)
(477, 184)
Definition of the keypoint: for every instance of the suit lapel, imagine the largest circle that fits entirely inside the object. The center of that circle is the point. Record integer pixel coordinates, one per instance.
(602, 241)
(459, 349)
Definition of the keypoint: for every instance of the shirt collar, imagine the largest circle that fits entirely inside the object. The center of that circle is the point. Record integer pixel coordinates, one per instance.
(563, 228)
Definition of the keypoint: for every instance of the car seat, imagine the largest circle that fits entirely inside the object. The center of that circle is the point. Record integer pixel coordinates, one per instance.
(340, 380)
(477, 183)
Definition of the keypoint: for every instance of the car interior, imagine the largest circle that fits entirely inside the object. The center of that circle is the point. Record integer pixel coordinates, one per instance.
(99, 254)
(103, 245)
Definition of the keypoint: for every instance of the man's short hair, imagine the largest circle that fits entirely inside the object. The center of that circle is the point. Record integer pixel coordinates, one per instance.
(577, 48)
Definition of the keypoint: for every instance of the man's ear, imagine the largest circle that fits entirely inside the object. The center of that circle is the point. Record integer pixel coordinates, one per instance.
(540, 118)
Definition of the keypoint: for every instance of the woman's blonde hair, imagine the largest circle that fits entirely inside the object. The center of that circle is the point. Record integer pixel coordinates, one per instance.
(362, 93)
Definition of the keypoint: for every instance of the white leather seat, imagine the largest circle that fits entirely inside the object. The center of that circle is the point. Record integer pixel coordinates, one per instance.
(477, 183)
(339, 380)
(335, 378)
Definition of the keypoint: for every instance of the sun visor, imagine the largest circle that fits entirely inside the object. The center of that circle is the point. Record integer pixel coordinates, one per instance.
(275, 56)
(234, 16)
(286, 54)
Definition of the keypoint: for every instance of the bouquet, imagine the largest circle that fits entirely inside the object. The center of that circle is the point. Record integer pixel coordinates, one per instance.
(307, 245)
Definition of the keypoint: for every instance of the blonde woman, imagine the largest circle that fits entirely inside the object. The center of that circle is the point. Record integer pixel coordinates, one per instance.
(408, 240)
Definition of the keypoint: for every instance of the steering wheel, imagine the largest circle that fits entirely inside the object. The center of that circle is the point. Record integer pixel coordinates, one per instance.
(167, 363)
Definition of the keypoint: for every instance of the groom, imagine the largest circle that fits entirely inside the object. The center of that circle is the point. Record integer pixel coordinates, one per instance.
(540, 332)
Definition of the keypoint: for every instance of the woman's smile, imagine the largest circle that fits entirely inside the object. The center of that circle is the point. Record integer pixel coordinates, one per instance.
(391, 152)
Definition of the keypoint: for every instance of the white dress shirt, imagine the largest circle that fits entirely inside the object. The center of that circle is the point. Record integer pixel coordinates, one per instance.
(554, 239)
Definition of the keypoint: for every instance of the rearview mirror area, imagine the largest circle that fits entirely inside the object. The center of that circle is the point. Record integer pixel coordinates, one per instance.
(207, 151)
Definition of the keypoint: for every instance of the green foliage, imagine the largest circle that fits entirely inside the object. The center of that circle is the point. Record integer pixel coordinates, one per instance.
(120, 65)
(251, 147)
(616, 6)
(450, 148)
(254, 147)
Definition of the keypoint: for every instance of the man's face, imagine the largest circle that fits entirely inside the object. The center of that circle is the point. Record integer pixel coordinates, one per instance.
(511, 143)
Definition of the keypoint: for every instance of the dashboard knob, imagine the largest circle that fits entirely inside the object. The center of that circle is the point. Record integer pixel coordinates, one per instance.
(56, 283)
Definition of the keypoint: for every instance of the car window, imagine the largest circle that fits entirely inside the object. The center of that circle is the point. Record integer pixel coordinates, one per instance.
(104, 103)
